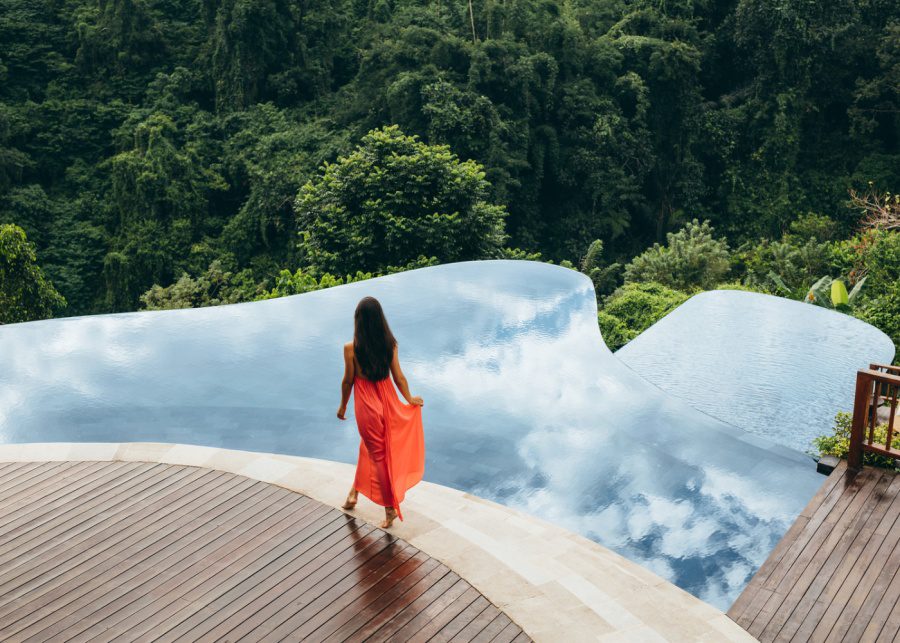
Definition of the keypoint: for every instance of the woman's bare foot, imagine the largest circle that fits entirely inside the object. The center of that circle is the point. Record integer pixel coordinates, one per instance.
(389, 515)
(352, 497)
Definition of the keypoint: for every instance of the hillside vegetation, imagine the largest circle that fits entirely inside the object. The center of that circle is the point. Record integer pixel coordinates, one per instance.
(162, 153)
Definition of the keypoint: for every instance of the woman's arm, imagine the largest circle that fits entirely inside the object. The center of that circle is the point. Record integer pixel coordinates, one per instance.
(400, 380)
(347, 382)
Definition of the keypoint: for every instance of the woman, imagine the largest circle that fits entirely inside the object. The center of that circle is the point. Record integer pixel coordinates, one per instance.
(392, 450)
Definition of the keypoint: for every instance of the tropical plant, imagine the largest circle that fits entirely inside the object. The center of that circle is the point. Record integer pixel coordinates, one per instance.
(25, 293)
(837, 443)
(691, 259)
(832, 293)
(633, 308)
(606, 278)
(393, 199)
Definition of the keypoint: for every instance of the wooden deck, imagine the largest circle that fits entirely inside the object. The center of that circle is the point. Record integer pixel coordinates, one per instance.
(100, 551)
(833, 577)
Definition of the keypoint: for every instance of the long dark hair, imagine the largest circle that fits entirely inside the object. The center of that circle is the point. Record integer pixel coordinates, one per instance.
(373, 341)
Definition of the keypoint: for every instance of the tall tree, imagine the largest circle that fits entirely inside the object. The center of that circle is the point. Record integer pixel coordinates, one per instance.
(393, 200)
(25, 293)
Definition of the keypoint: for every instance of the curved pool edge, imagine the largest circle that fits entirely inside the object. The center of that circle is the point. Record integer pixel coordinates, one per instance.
(555, 584)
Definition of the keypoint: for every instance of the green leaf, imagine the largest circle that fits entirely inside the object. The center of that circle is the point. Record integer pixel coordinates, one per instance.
(854, 294)
(779, 283)
(839, 296)
(818, 294)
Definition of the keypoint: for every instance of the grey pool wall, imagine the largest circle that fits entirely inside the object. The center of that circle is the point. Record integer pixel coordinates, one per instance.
(524, 405)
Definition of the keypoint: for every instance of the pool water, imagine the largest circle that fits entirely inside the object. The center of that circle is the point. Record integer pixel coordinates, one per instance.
(524, 405)
(775, 367)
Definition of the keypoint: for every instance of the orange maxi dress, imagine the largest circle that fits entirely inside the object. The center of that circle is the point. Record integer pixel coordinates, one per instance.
(392, 445)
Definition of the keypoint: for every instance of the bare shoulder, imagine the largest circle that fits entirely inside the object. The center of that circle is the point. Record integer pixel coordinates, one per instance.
(348, 348)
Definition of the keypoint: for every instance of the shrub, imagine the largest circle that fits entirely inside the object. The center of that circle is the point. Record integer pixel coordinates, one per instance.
(633, 308)
(393, 199)
(883, 312)
(691, 259)
(615, 333)
(837, 443)
(216, 286)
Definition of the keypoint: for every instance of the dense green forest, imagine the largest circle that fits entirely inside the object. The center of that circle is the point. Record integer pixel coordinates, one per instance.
(163, 153)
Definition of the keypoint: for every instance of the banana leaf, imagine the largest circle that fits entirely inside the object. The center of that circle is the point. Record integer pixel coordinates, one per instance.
(856, 289)
(779, 282)
(819, 293)
(839, 296)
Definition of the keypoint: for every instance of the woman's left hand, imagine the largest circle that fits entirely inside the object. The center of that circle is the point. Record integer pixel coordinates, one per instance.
(342, 411)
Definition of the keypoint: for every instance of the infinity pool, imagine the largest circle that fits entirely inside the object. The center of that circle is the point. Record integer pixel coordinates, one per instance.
(524, 405)
(778, 368)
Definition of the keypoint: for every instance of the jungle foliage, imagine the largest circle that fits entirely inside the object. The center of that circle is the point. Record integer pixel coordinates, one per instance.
(149, 143)
(802, 264)
(26, 294)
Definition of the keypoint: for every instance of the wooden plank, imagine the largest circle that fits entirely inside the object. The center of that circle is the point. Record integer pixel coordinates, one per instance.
(109, 534)
(422, 577)
(844, 581)
(334, 622)
(311, 616)
(836, 574)
(222, 621)
(259, 619)
(233, 587)
(508, 633)
(401, 611)
(847, 595)
(422, 616)
(34, 536)
(820, 524)
(765, 614)
(476, 625)
(310, 597)
(813, 559)
(492, 629)
(758, 613)
(206, 568)
(465, 617)
(862, 605)
(71, 492)
(149, 564)
(428, 631)
(9, 469)
(107, 551)
(82, 478)
(833, 570)
(24, 473)
(22, 487)
(885, 621)
(96, 559)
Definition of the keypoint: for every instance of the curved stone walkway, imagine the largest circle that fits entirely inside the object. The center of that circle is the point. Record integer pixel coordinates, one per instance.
(139, 551)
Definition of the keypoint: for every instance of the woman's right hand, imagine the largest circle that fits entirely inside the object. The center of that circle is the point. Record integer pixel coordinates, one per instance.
(415, 400)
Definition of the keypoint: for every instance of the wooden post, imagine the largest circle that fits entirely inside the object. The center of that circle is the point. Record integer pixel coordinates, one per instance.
(857, 429)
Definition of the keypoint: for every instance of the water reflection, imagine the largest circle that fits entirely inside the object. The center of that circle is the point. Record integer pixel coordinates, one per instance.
(778, 368)
(524, 405)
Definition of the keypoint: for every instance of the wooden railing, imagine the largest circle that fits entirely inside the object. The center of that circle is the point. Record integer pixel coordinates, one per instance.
(877, 391)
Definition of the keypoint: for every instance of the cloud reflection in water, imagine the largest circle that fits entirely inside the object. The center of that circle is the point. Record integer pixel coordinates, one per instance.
(524, 405)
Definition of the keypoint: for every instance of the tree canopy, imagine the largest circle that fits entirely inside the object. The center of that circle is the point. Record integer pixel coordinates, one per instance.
(145, 140)
(25, 293)
(392, 200)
